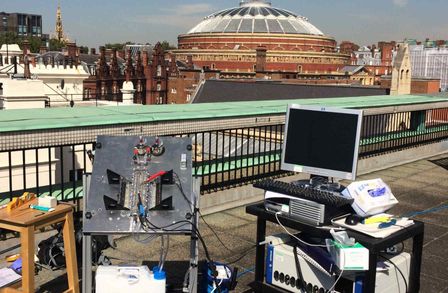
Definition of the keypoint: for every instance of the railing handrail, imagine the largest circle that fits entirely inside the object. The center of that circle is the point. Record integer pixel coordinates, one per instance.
(97, 116)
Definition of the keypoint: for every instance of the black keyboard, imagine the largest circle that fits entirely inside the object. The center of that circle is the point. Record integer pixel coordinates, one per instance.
(326, 197)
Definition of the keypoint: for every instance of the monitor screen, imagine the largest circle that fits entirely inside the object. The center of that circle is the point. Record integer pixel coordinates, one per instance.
(322, 141)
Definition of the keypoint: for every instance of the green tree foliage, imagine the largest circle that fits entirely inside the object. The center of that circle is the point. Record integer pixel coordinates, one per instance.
(35, 44)
(9, 38)
(118, 46)
(83, 49)
(13, 38)
(166, 46)
(56, 45)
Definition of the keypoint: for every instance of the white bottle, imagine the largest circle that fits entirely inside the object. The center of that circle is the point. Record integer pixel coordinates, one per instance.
(158, 280)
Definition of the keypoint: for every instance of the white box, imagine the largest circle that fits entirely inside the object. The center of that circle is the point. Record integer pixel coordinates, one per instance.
(350, 258)
(119, 279)
(47, 201)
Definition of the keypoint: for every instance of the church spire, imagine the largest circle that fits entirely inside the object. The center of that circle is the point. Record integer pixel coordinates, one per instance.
(59, 29)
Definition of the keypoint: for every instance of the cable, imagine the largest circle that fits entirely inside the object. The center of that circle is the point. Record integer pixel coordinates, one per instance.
(147, 240)
(298, 267)
(213, 231)
(245, 253)
(217, 286)
(398, 269)
(197, 233)
(295, 237)
(337, 280)
(164, 252)
(251, 270)
(427, 211)
(181, 189)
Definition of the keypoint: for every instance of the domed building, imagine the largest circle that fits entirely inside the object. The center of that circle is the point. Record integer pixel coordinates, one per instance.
(230, 41)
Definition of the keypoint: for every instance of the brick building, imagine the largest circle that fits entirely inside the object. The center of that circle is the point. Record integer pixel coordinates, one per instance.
(422, 85)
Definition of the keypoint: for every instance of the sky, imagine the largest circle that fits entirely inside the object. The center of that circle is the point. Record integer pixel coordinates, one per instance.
(95, 22)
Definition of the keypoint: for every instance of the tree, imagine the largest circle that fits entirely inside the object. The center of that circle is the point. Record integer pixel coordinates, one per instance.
(84, 50)
(56, 45)
(13, 38)
(35, 44)
(10, 38)
(118, 46)
(166, 46)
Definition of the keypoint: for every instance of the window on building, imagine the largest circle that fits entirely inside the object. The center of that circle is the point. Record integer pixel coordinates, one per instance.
(159, 70)
(173, 91)
(159, 87)
(188, 97)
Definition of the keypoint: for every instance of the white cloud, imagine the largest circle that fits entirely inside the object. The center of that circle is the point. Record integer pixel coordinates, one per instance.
(400, 3)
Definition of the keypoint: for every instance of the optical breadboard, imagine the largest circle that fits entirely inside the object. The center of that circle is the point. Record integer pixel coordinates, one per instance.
(140, 179)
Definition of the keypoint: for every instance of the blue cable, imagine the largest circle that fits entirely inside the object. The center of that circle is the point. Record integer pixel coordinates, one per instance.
(427, 211)
(251, 270)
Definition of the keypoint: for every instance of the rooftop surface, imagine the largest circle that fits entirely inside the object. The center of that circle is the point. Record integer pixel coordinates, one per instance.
(56, 118)
(213, 91)
(419, 186)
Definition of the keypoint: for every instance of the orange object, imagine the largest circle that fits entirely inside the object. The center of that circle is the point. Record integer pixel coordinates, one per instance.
(19, 201)
(11, 258)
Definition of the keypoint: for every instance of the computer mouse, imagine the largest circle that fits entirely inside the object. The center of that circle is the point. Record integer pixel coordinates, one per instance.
(353, 219)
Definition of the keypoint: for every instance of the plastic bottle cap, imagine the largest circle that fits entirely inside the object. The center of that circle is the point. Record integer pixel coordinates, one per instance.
(158, 275)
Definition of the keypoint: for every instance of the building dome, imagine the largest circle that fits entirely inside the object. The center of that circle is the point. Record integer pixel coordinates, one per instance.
(254, 35)
(255, 16)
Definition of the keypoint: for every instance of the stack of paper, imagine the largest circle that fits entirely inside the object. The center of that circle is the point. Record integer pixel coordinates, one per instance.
(373, 230)
(8, 276)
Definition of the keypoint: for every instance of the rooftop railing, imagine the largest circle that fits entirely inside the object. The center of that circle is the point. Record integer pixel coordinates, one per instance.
(226, 152)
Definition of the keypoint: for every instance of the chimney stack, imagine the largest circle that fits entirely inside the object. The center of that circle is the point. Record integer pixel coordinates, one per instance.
(109, 52)
(129, 71)
(190, 62)
(72, 51)
(43, 50)
(26, 47)
(145, 58)
(26, 70)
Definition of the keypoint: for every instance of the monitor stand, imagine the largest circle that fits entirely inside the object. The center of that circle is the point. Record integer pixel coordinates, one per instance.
(321, 182)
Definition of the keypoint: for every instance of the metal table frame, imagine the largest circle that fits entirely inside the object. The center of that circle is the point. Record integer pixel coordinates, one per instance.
(87, 247)
(374, 245)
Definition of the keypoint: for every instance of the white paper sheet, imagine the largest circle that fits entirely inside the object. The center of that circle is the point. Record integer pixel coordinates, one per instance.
(8, 276)
(373, 230)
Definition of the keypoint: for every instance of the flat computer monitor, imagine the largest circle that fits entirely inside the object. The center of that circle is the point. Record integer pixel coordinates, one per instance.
(322, 141)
